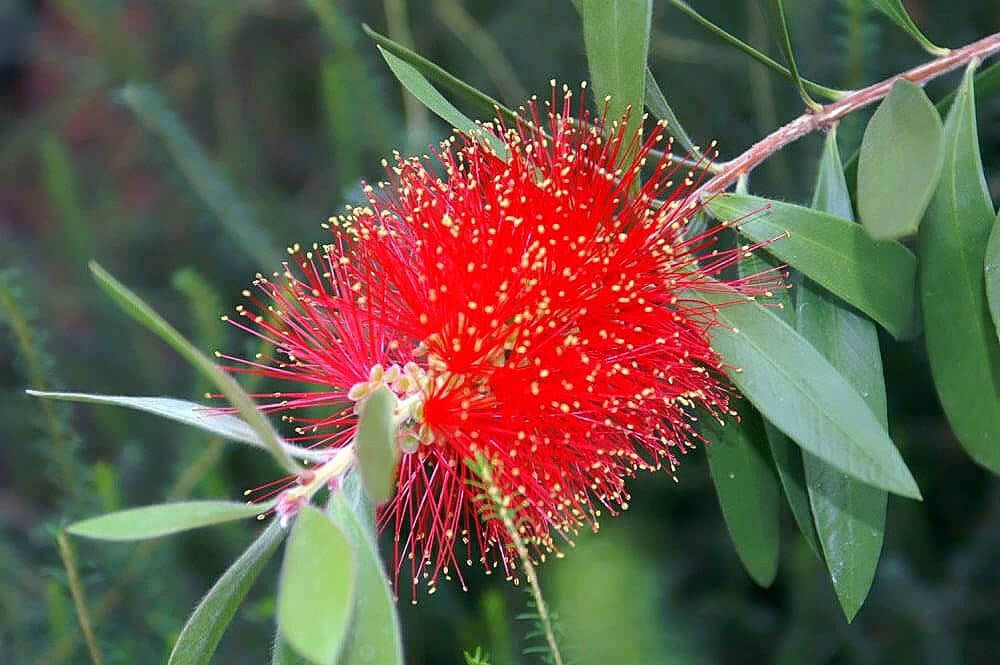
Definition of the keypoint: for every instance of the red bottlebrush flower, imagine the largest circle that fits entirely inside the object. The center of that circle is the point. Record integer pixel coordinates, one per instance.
(533, 306)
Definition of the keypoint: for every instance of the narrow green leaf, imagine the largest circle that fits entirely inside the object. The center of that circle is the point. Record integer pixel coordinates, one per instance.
(876, 277)
(203, 630)
(226, 384)
(282, 654)
(197, 415)
(961, 338)
(375, 637)
(375, 444)
(616, 35)
(657, 104)
(850, 516)
(788, 461)
(894, 9)
(747, 490)
(64, 196)
(204, 176)
(776, 14)
(900, 162)
(484, 105)
(162, 519)
(316, 589)
(429, 96)
(992, 273)
(797, 389)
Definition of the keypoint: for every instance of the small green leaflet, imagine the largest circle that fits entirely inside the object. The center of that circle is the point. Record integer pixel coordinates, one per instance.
(375, 443)
(849, 515)
(162, 519)
(203, 630)
(747, 490)
(900, 162)
(876, 277)
(375, 636)
(961, 337)
(797, 389)
(616, 36)
(316, 589)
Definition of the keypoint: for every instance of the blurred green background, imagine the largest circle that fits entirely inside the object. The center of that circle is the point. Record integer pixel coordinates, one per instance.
(291, 110)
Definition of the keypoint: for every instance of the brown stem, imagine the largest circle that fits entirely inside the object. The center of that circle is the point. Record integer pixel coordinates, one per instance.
(810, 122)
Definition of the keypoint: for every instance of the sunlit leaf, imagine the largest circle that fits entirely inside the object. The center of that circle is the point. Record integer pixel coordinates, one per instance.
(161, 519)
(316, 589)
(899, 163)
(849, 515)
(616, 36)
(375, 444)
(961, 338)
(375, 638)
(797, 389)
(203, 630)
(747, 490)
(876, 277)
(894, 9)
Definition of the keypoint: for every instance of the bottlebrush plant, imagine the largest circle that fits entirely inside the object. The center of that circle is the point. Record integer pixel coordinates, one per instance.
(477, 360)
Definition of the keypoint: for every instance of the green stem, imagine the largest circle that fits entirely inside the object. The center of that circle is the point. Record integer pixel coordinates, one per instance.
(69, 561)
(811, 87)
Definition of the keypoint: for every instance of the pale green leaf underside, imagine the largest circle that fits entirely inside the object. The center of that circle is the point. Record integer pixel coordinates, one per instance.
(375, 444)
(162, 519)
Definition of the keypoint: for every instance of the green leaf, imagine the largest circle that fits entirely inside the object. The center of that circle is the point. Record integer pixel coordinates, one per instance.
(788, 462)
(197, 415)
(375, 637)
(429, 96)
(203, 630)
(797, 389)
(775, 11)
(227, 385)
(747, 490)
(204, 177)
(876, 277)
(162, 519)
(616, 35)
(484, 105)
(657, 104)
(282, 654)
(961, 338)
(894, 9)
(316, 589)
(375, 443)
(899, 163)
(850, 516)
(992, 273)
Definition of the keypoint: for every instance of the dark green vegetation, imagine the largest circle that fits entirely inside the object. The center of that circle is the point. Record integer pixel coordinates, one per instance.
(182, 144)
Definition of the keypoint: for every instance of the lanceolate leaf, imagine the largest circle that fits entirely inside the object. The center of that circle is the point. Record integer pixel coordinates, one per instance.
(850, 516)
(200, 636)
(876, 277)
(992, 272)
(747, 490)
(375, 636)
(961, 337)
(616, 35)
(316, 589)
(797, 389)
(376, 444)
(900, 162)
(189, 413)
(429, 96)
(657, 104)
(894, 9)
(162, 519)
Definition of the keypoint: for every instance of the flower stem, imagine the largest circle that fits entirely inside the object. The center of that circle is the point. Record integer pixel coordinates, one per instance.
(812, 121)
(76, 589)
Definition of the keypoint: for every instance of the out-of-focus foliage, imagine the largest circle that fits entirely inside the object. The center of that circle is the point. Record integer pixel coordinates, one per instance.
(288, 104)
